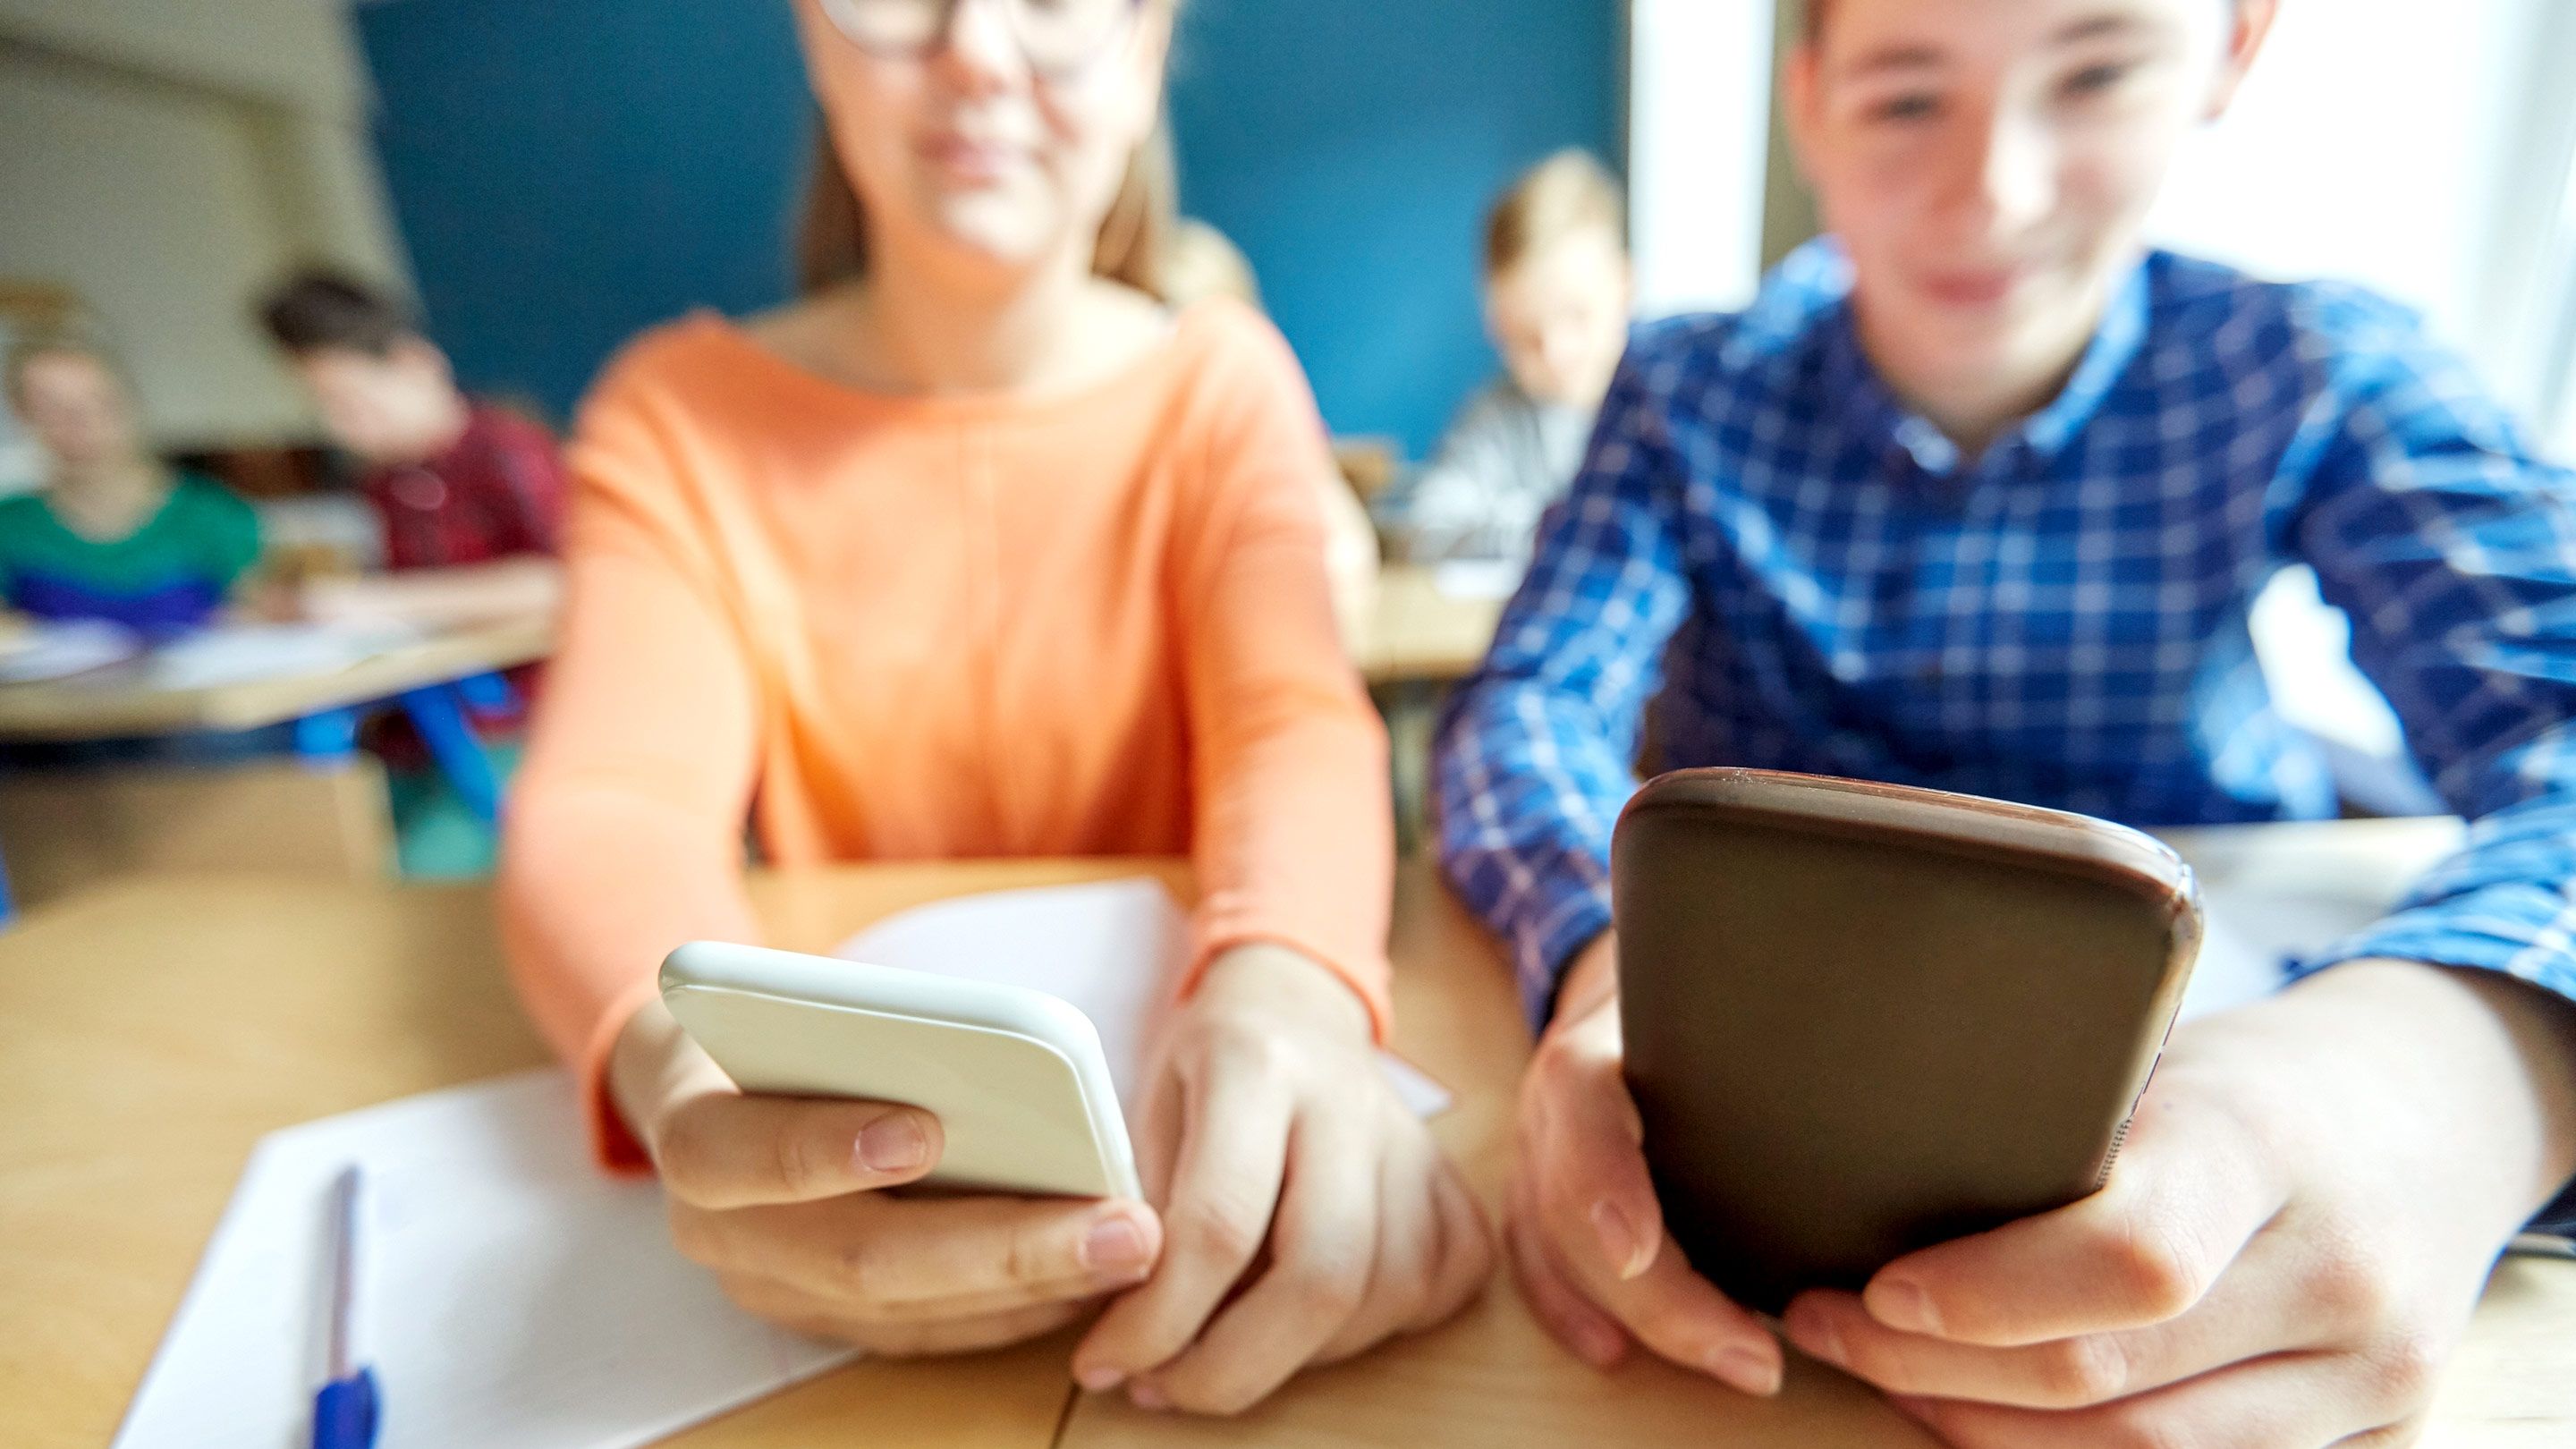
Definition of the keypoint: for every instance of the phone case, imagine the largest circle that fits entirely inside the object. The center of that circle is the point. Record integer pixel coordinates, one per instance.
(1861, 1019)
(1015, 1076)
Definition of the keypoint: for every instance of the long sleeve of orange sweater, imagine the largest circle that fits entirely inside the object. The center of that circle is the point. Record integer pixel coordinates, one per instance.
(881, 628)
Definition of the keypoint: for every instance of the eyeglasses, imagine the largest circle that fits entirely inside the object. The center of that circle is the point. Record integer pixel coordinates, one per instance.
(1057, 36)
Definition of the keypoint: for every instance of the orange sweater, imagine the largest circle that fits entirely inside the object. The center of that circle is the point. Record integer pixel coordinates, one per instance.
(933, 628)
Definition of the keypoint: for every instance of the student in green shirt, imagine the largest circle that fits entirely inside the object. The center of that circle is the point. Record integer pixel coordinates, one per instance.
(114, 534)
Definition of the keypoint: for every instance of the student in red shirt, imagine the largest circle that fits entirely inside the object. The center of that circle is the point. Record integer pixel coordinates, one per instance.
(470, 496)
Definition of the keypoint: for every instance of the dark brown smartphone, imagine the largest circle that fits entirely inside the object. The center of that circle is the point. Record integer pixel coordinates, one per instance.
(1862, 1019)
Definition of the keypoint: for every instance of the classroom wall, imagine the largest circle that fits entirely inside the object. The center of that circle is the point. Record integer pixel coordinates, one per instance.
(99, 208)
(1350, 148)
(165, 163)
(1699, 150)
(567, 173)
(293, 51)
(2469, 104)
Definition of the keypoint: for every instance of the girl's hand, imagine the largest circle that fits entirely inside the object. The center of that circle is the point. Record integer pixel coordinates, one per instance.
(784, 1199)
(1310, 1214)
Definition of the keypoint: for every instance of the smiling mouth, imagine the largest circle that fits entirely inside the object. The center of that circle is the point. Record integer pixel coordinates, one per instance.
(1976, 289)
(967, 159)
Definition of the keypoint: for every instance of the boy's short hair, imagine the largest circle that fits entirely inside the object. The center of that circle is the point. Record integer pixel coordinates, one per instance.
(1560, 196)
(319, 308)
(1813, 16)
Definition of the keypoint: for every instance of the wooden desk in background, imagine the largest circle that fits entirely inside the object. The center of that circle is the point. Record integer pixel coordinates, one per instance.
(141, 1070)
(1421, 638)
(123, 701)
(1420, 633)
(324, 810)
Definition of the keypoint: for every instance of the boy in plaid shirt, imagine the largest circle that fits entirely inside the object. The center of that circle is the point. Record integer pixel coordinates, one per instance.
(1976, 495)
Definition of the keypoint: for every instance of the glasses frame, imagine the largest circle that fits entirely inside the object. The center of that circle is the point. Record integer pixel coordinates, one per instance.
(838, 12)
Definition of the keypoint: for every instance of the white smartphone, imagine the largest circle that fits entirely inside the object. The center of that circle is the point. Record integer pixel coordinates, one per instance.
(1015, 1076)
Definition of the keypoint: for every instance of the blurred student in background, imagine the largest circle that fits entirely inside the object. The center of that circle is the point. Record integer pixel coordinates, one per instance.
(1558, 292)
(977, 550)
(115, 534)
(469, 496)
(1200, 261)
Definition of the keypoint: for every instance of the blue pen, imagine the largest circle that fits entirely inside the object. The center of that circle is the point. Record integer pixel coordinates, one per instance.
(344, 1412)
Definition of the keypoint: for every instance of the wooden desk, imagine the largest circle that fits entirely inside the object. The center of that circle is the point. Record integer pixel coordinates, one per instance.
(140, 1070)
(1419, 634)
(431, 677)
(122, 701)
(152, 1031)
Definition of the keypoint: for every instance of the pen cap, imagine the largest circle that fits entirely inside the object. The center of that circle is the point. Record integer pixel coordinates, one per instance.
(344, 1413)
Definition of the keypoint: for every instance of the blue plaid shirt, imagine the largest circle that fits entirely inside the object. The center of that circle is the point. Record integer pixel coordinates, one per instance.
(1813, 579)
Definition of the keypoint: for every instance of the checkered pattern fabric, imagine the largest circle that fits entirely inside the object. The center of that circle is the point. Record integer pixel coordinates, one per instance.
(1806, 577)
(497, 492)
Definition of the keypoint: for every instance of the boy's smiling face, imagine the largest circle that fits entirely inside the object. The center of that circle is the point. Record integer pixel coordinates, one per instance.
(401, 407)
(1989, 165)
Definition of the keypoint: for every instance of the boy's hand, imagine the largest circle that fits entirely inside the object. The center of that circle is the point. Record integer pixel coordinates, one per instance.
(1586, 1233)
(2289, 1248)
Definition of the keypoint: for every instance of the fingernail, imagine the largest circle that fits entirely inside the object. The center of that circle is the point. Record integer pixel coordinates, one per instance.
(1618, 1236)
(1822, 1340)
(893, 1143)
(1145, 1396)
(1902, 1305)
(1113, 1246)
(1744, 1369)
(1100, 1380)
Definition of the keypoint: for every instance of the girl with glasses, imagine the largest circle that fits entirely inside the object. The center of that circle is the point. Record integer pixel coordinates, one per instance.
(978, 550)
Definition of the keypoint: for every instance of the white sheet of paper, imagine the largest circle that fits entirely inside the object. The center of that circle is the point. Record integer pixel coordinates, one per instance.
(241, 653)
(511, 1296)
(54, 650)
(1478, 578)
(2251, 932)
(1111, 948)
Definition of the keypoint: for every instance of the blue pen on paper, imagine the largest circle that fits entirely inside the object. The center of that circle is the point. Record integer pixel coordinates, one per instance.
(344, 1412)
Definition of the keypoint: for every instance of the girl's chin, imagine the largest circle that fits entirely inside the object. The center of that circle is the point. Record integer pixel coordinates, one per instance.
(1004, 236)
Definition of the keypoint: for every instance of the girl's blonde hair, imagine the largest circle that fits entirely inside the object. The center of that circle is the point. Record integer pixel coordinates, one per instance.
(1567, 193)
(831, 232)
